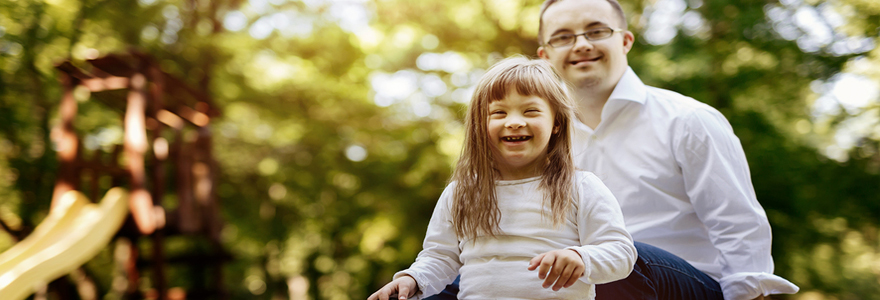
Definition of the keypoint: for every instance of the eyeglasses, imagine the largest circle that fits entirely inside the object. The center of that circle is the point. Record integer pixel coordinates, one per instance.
(568, 39)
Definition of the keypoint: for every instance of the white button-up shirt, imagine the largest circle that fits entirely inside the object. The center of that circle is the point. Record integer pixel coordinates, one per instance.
(683, 183)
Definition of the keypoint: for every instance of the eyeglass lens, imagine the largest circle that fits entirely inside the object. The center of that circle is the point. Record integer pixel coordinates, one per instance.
(591, 35)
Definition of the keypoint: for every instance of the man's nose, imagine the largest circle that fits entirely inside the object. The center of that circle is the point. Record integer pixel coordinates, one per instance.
(581, 43)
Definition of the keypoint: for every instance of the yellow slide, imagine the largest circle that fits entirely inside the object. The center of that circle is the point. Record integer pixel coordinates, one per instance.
(73, 233)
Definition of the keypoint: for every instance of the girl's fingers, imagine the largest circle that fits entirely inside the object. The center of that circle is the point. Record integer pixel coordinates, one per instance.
(379, 295)
(403, 293)
(578, 272)
(535, 260)
(564, 276)
(556, 273)
(557, 269)
(407, 287)
(386, 293)
(545, 267)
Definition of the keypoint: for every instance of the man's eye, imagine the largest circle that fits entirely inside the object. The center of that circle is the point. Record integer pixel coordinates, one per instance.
(602, 32)
(563, 38)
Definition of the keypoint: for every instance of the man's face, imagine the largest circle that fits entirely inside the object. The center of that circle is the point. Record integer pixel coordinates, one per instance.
(596, 64)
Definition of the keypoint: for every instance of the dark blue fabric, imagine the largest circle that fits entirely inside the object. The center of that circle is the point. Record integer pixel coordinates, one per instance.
(657, 275)
(660, 275)
(450, 293)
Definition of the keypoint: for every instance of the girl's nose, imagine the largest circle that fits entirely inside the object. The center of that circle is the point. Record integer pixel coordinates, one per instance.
(515, 123)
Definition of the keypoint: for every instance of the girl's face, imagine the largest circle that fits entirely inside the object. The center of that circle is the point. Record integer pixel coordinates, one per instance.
(519, 131)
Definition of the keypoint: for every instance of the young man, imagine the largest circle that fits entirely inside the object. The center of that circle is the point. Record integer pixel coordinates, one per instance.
(674, 164)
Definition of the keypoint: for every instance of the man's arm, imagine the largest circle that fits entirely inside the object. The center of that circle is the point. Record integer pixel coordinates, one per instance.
(718, 183)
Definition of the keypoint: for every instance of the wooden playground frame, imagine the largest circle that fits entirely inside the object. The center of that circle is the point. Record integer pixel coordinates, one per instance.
(156, 105)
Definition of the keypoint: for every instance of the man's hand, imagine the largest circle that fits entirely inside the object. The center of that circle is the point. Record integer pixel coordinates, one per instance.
(563, 267)
(405, 287)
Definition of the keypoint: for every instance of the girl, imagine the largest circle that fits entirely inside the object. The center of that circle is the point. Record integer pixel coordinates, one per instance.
(517, 221)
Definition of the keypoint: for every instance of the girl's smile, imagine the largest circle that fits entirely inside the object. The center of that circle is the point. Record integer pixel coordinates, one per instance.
(516, 138)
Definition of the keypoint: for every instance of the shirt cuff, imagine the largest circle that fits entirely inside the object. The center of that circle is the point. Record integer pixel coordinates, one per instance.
(420, 294)
(587, 266)
(750, 285)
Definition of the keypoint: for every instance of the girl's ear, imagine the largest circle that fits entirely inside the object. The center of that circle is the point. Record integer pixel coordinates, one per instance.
(556, 129)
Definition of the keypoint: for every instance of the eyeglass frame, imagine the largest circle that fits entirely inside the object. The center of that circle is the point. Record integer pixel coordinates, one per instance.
(584, 34)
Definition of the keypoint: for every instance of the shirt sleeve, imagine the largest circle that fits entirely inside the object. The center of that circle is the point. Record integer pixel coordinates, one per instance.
(438, 263)
(606, 247)
(716, 176)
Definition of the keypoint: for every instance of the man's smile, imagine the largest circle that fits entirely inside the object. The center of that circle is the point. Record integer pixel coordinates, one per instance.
(585, 59)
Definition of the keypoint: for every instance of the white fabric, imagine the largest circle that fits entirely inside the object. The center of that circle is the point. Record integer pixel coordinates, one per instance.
(683, 183)
(497, 268)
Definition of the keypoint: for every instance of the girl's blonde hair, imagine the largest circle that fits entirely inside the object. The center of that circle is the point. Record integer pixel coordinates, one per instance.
(475, 207)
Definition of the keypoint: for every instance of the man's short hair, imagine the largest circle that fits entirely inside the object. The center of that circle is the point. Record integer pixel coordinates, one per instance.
(614, 4)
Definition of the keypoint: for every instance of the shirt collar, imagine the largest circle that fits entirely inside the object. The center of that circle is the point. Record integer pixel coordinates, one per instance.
(630, 87)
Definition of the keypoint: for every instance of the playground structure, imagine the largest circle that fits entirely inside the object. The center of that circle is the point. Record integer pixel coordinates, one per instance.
(73, 233)
(166, 146)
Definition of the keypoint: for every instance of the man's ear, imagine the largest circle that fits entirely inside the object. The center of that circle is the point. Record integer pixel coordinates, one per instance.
(628, 39)
(542, 53)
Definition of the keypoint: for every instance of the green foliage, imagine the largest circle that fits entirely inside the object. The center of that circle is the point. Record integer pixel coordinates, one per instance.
(341, 121)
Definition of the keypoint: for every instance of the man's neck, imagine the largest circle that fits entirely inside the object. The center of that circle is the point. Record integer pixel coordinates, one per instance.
(590, 101)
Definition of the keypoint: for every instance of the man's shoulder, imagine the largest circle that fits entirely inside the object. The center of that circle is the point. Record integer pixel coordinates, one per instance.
(673, 98)
(688, 116)
(677, 104)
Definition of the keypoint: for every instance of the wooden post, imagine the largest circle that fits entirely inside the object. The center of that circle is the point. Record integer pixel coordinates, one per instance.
(66, 139)
(187, 211)
(140, 201)
(159, 162)
(95, 175)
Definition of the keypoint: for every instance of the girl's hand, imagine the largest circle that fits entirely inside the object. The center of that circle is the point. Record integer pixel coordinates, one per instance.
(561, 266)
(404, 287)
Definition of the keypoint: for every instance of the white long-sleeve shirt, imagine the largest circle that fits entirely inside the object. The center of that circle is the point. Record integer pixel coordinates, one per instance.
(683, 183)
(497, 268)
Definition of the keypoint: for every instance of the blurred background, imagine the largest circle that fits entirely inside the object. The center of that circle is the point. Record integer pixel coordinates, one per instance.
(340, 122)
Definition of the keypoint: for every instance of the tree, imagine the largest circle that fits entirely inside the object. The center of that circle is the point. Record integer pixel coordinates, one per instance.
(341, 120)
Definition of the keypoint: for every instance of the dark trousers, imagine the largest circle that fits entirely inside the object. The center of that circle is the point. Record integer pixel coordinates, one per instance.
(660, 275)
(657, 275)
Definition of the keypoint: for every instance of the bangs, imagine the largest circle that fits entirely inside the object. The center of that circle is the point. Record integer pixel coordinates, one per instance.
(526, 80)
